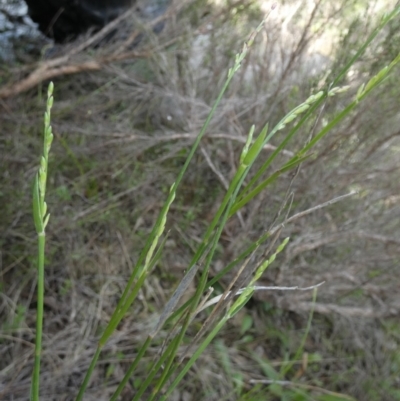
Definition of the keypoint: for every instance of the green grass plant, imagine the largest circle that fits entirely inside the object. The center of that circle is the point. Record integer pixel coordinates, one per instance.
(41, 218)
(168, 369)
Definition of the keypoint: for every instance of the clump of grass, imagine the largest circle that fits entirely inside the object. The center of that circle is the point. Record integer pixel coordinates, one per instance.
(166, 372)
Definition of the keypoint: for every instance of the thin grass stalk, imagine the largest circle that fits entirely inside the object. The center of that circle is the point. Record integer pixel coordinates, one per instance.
(39, 317)
(138, 285)
(124, 308)
(363, 91)
(201, 348)
(41, 218)
(140, 270)
(171, 350)
(130, 371)
(286, 367)
(167, 371)
(196, 299)
(384, 21)
(328, 127)
(89, 372)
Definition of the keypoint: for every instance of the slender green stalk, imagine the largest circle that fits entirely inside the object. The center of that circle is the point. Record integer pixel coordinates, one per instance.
(288, 366)
(384, 21)
(89, 372)
(131, 369)
(41, 218)
(39, 317)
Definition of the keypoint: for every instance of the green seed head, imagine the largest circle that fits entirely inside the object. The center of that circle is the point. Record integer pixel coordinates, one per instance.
(50, 89)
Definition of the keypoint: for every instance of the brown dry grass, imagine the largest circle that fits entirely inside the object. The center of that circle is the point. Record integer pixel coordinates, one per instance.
(121, 135)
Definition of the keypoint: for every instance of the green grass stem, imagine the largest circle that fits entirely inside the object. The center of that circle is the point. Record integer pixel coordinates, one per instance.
(286, 367)
(41, 218)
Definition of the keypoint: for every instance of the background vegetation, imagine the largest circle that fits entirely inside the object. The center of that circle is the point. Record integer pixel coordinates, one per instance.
(122, 131)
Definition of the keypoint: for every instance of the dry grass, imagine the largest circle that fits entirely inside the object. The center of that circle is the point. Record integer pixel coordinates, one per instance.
(121, 135)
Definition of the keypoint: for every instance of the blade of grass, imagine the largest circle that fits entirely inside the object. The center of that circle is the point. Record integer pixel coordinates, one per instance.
(41, 219)
(384, 21)
(286, 367)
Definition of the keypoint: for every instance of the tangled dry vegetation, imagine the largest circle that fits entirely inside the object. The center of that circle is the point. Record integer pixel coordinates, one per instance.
(123, 120)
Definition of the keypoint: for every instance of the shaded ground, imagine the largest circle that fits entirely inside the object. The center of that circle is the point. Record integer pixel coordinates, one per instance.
(122, 131)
